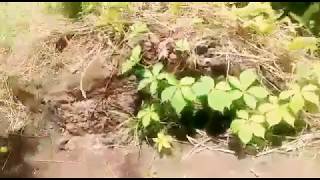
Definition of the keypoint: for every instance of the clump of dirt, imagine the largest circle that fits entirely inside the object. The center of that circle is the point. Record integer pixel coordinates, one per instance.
(103, 110)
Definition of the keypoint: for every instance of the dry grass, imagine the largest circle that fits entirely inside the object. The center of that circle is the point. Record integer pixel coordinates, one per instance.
(36, 57)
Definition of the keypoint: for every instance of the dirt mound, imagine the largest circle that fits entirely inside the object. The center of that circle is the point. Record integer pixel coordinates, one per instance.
(103, 110)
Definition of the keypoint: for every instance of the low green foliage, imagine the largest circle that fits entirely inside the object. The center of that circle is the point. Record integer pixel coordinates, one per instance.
(133, 60)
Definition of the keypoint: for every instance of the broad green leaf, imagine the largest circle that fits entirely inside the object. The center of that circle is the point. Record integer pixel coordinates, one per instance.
(162, 76)
(250, 101)
(168, 93)
(266, 107)
(235, 94)
(157, 68)
(234, 82)
(286, 116)
(273, 117)
(247, 77)
(236, 125)
(143, 83)
(172, 79)
(146, 120)
(258, 130)
(273, 99)
(243, 114)
(135, 54)
(309, 87)
(258, 92)
(188, 93)
(219, 100)
(257, 118)
(297, 102)
(178, 102)
(311, 97)
(223, 86)
(155, 116)
(153, 87)
(286, 94)
(182, 45)
(303, 43)
(203, 86)
(127, 66)
(141, 114)
(245, 133)
(187, 81)
(147, 73)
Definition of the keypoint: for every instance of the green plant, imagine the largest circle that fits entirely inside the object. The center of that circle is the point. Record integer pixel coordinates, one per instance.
(299, 95)
(259, 16)
(219, 96)
(308, 43)
(275, 112)
(147, 115)
(246, 126)
(133, 60)
(137, 29)
(152, 78)
(244, 88)
(113, 14)
(163, 141)
(179, 92)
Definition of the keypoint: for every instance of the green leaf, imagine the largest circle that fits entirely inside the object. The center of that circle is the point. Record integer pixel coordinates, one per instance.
(204, 86)
(297, 102)
(182, 45)
(178, 102)
(219, 100)
(235, 94)
(286, 94)
(247, 77)
(141, 114)
(138, 28)
(157, 68)
(223, 86)
(311, 97)
(146, 120)
(155, 116)
(243, 114)
(172, 79)
(153, 87)
(258, 92)
(147, 74)
(309, 87)
(143, 83)
(257, 118)
(134, 59)
(250, 101)
(187, 81)
(234, 82)
(273, 117)
(303, 43)
(245, 134)
(266, 107)
(135, 54)
(258, 130)
(188, 93)
(286, 116)
(168, 93)
(236, 125)
(162, 76)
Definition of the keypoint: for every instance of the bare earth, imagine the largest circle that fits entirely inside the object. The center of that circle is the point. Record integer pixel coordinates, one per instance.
(87, 157)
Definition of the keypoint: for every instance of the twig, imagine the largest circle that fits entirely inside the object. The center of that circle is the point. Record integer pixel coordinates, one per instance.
(55, 161)
(5, 163)
(254, 173)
